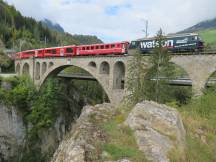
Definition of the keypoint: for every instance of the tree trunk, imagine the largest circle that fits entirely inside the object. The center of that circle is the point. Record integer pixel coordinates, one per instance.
(0, 69)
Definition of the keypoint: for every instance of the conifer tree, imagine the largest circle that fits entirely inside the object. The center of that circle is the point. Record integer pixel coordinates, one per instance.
(135, 81)
(160, 72)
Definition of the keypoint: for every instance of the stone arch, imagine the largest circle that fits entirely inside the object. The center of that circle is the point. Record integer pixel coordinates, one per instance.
(18, 69)
(44, 67)
(54, 70)
(105, 68)
(25, 70)
(92, 64)
(211, 80)
(50, 64)
(118, 75)
(37, 72)
(186, 64)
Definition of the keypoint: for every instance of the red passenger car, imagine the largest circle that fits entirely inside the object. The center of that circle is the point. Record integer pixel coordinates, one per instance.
(26, 54)
(65, 51)
(69, 51)
(103, 49)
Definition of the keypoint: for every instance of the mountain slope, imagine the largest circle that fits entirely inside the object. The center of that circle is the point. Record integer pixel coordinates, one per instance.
(53, 26)
(208, 24)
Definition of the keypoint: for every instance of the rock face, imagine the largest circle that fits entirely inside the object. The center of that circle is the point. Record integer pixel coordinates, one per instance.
(12, 132)
(78, 143)
(158, 129)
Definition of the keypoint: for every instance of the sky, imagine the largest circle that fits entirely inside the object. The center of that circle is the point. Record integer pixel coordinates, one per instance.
(119, 20)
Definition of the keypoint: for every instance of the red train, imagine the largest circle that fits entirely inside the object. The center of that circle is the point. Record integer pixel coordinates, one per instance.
(119, 48)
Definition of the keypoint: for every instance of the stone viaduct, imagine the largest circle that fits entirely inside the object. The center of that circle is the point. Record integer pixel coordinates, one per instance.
(110, 71)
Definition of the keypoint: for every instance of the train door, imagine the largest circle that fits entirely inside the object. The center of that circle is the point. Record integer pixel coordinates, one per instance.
(36, 53)
(62, 52)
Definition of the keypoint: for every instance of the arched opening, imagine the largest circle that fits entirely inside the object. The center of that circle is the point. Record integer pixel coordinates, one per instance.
(104, 68)
(18, 69)
(37, 73)
(211, 81)
(118, 75)
(170, 84)
(82, 81)
(92, 64)
(51, 64)
(25, 70)
(44, 67)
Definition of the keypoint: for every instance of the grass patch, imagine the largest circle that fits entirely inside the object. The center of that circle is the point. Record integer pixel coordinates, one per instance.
(209, 36)
(119, 152)
(121, 141)
(199, 119)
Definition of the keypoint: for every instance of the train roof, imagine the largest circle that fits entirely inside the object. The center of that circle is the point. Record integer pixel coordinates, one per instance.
(102, 44)
(172, 36)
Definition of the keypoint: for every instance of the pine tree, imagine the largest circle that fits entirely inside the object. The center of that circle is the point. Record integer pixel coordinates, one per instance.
(135, 81)
(160, 72)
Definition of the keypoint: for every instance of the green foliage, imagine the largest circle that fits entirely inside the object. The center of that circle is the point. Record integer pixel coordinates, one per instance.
(5, 61)
(119, 152)
(160, 68)
(209, 37)
(32, 155)
(199, 118)
(135, 81)
(45, 107)
(121, 142)
(21, 95)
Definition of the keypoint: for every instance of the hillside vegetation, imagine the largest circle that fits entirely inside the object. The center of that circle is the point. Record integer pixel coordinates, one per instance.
(19, 32)
(199, 117)
(209, 36)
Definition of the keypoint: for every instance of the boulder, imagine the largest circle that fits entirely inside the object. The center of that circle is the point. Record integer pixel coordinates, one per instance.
(78, 143)
(158, 129)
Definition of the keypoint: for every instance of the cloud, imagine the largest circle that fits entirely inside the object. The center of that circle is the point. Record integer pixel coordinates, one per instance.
(118, 20)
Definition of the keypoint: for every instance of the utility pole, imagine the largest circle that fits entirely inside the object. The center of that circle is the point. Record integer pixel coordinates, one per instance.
(146, 28)
(45, 41)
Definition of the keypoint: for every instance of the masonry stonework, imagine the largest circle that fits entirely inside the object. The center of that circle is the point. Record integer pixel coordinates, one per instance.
(111, 71)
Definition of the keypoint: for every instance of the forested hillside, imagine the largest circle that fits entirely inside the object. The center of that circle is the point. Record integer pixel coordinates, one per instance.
(19, 32)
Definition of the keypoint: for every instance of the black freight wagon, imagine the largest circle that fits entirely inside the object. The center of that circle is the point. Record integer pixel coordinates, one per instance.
(174, 43)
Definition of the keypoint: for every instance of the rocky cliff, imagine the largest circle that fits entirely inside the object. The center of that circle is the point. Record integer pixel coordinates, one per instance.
(12, 132)
(157, 130)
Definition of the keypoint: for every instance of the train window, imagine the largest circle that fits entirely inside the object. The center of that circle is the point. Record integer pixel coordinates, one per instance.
(113, 46)
(83, 48)
(54, 51)
(97, 47)
(102, 47)
(92, 47)
(40, 52)
(118, 45)
(69, 50)
(107, 46)
(88, 48)
(31, 52)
